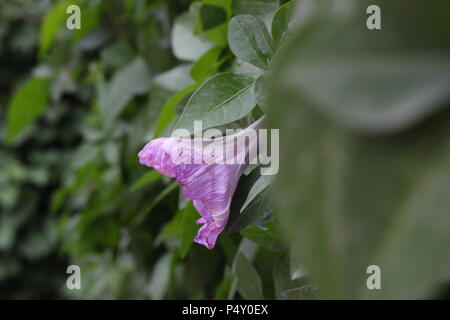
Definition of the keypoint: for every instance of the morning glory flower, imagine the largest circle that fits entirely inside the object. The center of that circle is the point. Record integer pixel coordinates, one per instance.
(207, 170)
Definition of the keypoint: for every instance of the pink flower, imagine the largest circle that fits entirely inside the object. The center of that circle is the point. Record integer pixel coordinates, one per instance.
(207, 170)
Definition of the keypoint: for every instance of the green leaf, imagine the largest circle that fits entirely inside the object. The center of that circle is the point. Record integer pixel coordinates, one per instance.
(252, 201)
(255, 7)
(130, 81)
(280, 23)
(222, 99)
(27, 104)
(368, 180)
(164, 193)
(223, 288)
(261, 184)
(170, 229)
(208, 64)
(186, 45)
(212, 16)
(287, 288)
(54, 21)
(249, 283)
(262, 88)
(250, 41)
(268, 237)
(188, 228)
(146, 179)
(168, 112)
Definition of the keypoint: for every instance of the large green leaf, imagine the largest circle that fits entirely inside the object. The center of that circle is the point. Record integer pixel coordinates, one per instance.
(28, 103)
(250, 41)
(222, 99)
(351, 192)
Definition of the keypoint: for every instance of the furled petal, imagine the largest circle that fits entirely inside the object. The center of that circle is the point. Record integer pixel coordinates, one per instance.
(210, 183)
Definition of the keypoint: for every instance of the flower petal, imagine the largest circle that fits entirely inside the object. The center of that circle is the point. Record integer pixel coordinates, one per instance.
(210, 184)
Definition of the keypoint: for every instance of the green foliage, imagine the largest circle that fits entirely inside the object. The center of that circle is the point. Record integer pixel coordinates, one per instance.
(222, 99)
(378, 107)
(28, 103)
(364, 128)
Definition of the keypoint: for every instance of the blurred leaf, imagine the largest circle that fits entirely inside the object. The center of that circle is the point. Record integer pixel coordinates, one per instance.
(268, 237)
(223, 288)
(117, 54)
(222, 99)
(189, 228)
(186, 45)
(164, 193)
(131, 80)
(207, 64)
(248, 280)
(214, 17)
(352, 193)
(367, 81)
(250, 41)
(160, 277)
(146, 179)
(168, 112)
(171, 229)
(52, 24)
(28, 103)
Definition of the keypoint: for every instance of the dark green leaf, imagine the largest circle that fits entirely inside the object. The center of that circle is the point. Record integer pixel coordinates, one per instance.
(287, 288)
(188, 228)
(146, 179)
(248, 280)
(212, 16)
(258, 201)
(268, 237)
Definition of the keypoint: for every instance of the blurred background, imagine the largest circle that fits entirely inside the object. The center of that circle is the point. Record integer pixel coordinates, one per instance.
(365, 160)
